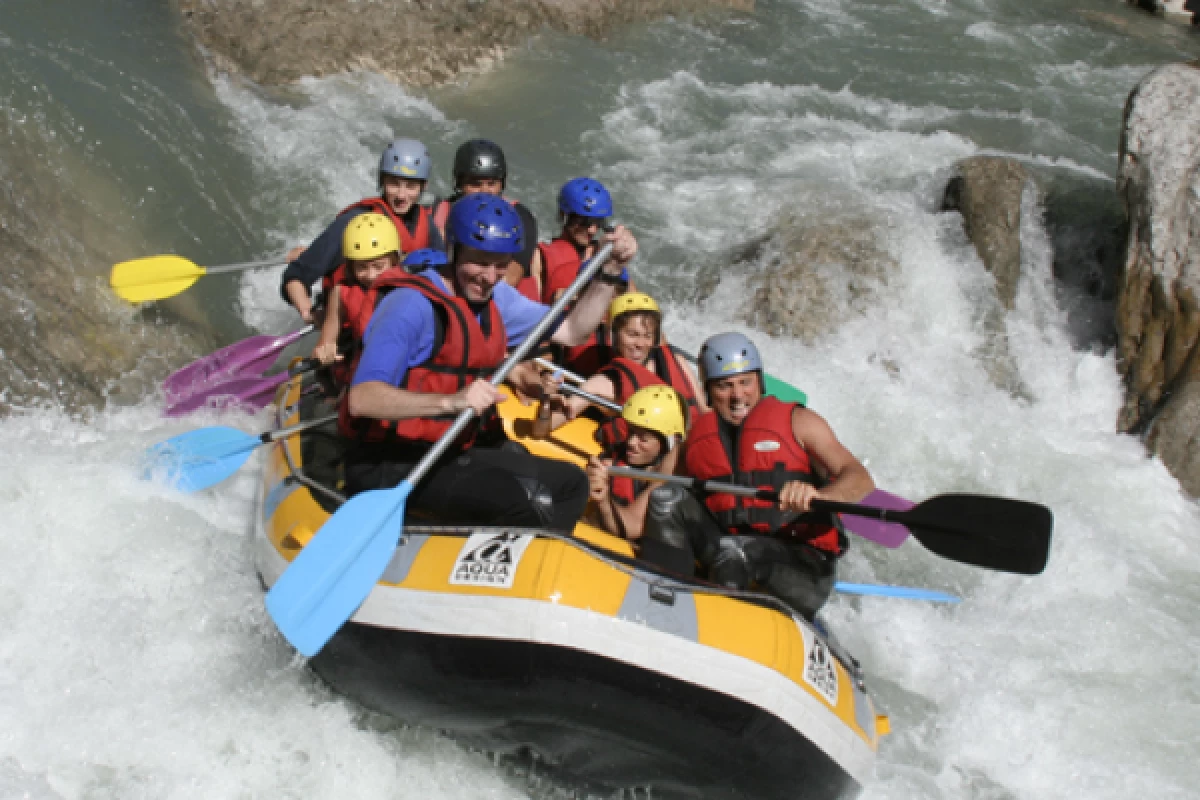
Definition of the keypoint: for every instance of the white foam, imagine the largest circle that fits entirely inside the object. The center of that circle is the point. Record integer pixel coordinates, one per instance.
(137, 659)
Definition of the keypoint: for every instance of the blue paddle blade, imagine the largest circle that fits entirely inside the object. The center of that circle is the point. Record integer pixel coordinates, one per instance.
(903, 592)
(196, 460)
(332, 576)
(783, 391)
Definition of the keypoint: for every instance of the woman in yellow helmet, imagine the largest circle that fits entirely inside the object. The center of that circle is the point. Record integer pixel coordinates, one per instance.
(655, 423)
(370, 246)
(635, 359)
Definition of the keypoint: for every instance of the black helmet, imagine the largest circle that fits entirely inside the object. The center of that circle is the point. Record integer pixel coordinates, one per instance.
(479, 158)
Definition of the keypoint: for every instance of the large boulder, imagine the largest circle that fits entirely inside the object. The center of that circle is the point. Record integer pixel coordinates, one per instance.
(987, 192)
(1158, 302)
(815, 271)
(418, 42)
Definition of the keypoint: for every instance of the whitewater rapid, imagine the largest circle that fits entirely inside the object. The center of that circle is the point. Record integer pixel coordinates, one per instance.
(136, 659)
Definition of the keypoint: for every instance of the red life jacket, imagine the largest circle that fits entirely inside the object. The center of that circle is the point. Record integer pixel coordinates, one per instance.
(354, 299)
(417, 240)
(629, 376)
(408, 241)
(464, 348)
(767, 456)
(560, 266)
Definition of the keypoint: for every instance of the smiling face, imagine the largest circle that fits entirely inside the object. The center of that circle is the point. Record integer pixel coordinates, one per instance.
(643, 447)
(481, 186)
(400, 193)
(734, 397)
(365, 272)
(634, 336)
(476, 273)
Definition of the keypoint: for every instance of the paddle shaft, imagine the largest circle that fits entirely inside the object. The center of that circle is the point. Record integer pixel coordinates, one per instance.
(594, 399)
(771, 495)
(714, 487)
(283, 433)
(556, 369)
(522, 352)
(267, 262)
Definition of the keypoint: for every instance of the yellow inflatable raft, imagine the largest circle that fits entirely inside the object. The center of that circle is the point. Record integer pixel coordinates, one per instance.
(570, 652)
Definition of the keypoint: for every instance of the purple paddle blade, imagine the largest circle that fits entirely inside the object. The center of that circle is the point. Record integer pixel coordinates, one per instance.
(888, 534)
(249, 392)
(253, 355)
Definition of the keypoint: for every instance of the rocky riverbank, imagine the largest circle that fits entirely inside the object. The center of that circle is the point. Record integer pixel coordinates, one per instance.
(415, 42)
(65, 339)
(1158, 305)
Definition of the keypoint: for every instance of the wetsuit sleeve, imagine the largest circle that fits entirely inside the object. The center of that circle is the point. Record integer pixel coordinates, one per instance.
(529, 228)
(520, 314)
(399, 336)
(321, 257)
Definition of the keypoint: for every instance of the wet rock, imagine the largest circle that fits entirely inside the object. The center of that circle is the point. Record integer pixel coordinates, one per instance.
(1174, 436)
(814, 272)
(64, 337)
(990, 194)
(1158, 303)
(415, 42)
(1178, 10)
(987, 192)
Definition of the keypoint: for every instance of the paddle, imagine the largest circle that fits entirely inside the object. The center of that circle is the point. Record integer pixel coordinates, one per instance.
(332, 576)
(255, 354)
(883, 533)
(159, 277)
(198, 459)
(984, 531)
(249, 391)
(902, 592)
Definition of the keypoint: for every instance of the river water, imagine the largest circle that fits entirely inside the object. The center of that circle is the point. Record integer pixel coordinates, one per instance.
(136, 659)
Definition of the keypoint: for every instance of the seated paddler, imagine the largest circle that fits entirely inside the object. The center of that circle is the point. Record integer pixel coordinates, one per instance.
(655, 426)
(432, 341)
(751, 438)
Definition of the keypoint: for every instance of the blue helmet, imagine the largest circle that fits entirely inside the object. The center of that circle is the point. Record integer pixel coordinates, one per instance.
(727, 354)
(405, 158)
(486, 222)
(424, 259)
(585, 197)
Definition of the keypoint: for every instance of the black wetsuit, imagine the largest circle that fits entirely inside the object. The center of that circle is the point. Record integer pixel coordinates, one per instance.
(484, 485)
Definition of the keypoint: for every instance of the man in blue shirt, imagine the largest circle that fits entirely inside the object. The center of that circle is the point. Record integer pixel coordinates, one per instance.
(428, 344)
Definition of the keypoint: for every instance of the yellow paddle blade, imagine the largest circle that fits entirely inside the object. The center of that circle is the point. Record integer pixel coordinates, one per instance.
(153, 278)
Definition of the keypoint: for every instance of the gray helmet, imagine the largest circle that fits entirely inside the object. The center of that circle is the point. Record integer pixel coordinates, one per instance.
(405, 158)
(728, 354)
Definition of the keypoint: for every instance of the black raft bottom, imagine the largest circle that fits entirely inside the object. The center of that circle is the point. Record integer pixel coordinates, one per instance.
(590, 723)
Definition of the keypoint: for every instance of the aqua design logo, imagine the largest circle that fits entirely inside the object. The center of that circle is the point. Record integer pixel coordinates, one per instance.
(820, 672)
(490, 559)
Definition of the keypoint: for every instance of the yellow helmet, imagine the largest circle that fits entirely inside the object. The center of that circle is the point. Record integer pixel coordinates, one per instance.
(632, 301)
(656, 408)
(370, 236)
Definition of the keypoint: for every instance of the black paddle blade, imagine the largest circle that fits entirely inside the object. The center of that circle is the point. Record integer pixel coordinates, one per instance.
(992, 532)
